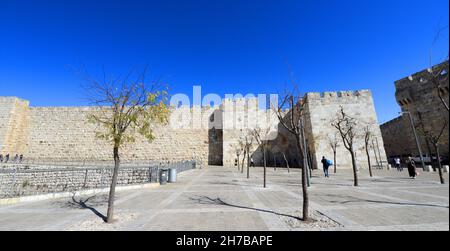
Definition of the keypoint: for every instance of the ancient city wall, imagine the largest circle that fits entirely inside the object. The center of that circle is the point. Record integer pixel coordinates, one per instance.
(13, 125)
(61, 134)
(209, 135)
(398, 137)
(417, 95)
(322, 109)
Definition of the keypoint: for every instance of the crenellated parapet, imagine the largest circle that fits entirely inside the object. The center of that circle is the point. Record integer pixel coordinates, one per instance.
(339, 97)
(411, 89)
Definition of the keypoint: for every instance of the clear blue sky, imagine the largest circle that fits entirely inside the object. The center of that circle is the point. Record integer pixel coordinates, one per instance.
(225, 46)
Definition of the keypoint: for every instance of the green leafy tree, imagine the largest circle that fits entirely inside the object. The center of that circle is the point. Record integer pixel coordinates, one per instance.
(125, 108)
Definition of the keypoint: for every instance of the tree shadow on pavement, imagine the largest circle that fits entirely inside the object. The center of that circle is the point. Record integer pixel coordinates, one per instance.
(205, 200)
(88, 203)
(352, 199)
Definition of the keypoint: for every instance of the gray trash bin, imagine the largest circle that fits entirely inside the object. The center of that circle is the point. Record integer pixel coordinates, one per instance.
(163, 173)
(172, 175)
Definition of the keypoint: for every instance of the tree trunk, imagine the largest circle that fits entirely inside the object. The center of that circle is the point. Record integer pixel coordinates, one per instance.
(430, 153)
(238, 163)
(304, 185)
(355, 174)
(275, 162)
(248, 163)
(334, 159)
(310, 167)
(264, 158)
(243, 161)
(379, 153)
(287, 162)
(441, 177)
(376, 156)
(112, 189)
(368, 162)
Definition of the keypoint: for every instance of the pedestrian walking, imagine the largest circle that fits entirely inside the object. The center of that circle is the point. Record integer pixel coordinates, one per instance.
(412, 168)
(398, 164)
(326, 164)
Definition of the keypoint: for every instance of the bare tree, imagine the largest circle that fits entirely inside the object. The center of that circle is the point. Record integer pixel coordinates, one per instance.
(421, 127)
(246, 138)
(333, 141)
(285, 159)
(346, 127)
(238, 153)
(439, 77)
(261, 136)
(125, 107)
(238, 150)
(367, 137)
(243, 159)
(435, 138)
(293, 121)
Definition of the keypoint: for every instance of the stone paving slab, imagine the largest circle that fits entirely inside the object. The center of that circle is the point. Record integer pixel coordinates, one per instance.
(207, 221)
(221, 198)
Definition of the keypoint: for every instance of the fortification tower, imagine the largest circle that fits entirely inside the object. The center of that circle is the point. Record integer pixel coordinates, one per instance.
(321, 111)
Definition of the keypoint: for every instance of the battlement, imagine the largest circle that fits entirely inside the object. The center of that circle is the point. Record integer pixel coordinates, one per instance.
(418, 77)
(340, 95)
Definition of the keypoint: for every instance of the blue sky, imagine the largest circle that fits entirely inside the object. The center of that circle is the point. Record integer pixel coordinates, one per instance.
(224, 46)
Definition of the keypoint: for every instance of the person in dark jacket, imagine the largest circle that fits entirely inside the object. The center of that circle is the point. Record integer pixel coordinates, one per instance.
(326, 165)
(411, 168)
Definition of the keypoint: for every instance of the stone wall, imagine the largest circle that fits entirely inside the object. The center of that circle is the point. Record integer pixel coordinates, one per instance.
(417, 95)
(13, 125)
(209, 135)
(53, 179)
(322, 110)
(241, 117)
(237, 116)
(62, 134)
(398, 137)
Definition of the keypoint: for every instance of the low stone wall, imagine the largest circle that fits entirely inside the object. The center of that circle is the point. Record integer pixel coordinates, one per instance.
(36, 181)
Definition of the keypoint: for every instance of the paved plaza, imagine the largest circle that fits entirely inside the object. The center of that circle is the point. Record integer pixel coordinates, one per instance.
(221, 198)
